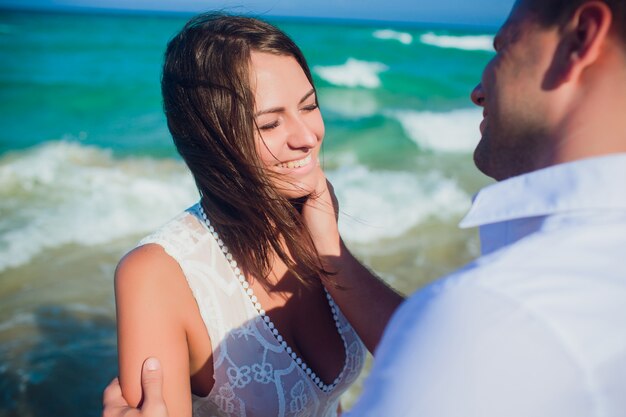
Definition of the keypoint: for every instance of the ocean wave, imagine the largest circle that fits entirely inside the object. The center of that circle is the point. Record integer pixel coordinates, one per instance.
(65, 193)
(467, 43)
(402, 37)
(353, 73)
(454, 131)
(369, 198)
(18, 320)
(349, 103)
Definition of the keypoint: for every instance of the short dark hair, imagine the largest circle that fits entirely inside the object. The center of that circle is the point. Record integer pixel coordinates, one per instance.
(553, 12)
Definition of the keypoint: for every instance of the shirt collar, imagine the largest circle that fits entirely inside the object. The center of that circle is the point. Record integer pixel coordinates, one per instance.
(588, 184)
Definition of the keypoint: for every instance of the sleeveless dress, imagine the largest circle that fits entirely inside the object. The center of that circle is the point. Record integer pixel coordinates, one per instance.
(256, 373)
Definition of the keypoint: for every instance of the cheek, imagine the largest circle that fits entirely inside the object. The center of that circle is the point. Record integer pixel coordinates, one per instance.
(267, 150)
(318, 127)
(489, 77)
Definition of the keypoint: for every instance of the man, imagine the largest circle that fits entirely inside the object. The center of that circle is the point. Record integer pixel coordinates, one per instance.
(537, 325)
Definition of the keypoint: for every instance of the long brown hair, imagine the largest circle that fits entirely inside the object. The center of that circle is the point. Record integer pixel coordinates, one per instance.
(209, 107)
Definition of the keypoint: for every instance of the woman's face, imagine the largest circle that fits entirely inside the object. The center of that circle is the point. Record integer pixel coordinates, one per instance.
(290, 125)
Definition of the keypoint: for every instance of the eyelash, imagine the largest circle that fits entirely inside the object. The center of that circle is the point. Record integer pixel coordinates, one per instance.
(269, 126)
(275, 124)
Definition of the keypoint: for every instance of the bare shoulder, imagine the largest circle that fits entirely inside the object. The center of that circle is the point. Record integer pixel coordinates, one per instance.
(147, 269)
(146, 258)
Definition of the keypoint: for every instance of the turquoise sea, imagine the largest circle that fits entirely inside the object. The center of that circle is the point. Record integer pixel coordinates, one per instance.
(87, 168)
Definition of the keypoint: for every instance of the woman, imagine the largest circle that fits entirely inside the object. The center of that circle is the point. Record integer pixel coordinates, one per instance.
(228, 295)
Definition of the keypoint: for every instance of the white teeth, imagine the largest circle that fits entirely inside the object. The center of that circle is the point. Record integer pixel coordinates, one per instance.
(295, 164)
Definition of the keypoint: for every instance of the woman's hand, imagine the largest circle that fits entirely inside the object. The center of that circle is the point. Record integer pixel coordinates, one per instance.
(320, 213)
(114, 404)
(365, 300)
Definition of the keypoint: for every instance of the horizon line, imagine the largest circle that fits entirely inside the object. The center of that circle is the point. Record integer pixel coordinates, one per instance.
(90, 10)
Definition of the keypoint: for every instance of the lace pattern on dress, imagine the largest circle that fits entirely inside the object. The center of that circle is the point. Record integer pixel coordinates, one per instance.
(254, 375)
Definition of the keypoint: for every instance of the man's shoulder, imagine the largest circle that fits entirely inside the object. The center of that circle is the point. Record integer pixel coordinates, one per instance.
(578, 262)
(523, 297)
(495, 321)
(550, 276)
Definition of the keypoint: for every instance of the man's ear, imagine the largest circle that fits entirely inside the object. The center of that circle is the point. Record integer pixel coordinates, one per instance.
(583, 37)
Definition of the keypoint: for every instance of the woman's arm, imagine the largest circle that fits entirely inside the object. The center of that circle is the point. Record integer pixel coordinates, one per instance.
(365, 300)
(152, 298)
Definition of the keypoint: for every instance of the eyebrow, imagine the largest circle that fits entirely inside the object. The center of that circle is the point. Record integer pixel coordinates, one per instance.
(281, 109)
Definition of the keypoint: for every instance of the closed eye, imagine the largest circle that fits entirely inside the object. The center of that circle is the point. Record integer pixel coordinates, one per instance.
(310, 107)
(269, 126)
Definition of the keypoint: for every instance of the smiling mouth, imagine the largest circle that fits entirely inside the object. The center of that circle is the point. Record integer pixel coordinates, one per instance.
(296, 164)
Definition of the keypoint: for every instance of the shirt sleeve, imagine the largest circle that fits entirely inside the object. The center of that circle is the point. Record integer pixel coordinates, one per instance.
(456, 349)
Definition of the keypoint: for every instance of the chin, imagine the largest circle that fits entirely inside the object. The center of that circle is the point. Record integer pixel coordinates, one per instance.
(483, 160)
(490, 169)
(479, 156)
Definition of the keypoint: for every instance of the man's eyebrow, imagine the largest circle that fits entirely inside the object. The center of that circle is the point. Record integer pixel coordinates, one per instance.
(281, 109)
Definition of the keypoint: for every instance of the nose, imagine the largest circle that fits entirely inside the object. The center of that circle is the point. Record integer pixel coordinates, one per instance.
(301, 135)
(478, 95)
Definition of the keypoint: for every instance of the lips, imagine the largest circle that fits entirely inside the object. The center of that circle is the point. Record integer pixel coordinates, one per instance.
(296, 163)
(483, 122)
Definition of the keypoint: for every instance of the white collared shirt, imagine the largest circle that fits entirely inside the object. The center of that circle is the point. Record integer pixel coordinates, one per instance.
(536, 327)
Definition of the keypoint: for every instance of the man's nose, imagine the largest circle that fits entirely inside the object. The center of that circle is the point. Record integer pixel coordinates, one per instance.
(478, 96)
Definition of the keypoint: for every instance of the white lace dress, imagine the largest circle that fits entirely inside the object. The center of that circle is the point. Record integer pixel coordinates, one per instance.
(256, 373)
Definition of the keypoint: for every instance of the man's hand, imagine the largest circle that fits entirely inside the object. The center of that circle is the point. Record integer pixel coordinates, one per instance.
(153, 405)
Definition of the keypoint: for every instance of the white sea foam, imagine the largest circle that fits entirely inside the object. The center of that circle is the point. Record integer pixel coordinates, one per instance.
(65, 193)
(468, 43)
(19, 320)
(402, 37)
(350, 103)
(62, 193)
(454, 131)
(353, 73)
(385, 204)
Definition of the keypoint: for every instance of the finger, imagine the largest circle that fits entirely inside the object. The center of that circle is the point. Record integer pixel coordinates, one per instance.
(152, 385)
(112, 395)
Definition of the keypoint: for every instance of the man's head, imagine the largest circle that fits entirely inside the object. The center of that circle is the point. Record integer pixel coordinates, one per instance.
(555, 88)
(554, 12)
